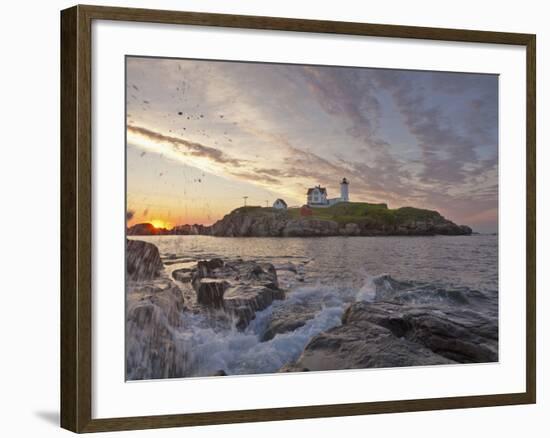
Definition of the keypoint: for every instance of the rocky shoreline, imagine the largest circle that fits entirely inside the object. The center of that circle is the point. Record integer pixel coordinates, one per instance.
(270, 222)
(395, 328)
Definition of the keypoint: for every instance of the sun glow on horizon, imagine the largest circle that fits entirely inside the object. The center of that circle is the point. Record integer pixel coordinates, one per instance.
(159, 223)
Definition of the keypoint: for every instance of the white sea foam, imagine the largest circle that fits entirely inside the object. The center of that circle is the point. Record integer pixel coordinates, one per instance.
(210, 350)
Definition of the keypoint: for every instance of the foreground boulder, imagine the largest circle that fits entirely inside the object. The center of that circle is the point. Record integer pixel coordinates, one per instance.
(142, 260)
(154, 311)
(390, 334)
(241, 288)
(288, 319)
(459, 334)
(244, 301)
(210, 291)
(183, 275)
(364, 345)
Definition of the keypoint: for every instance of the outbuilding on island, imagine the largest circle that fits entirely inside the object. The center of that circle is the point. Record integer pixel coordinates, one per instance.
(280, 204)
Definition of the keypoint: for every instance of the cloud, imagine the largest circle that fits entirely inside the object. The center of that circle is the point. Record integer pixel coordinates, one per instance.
(187, 147)
(251, 176)
(346, 93)
(449, 131)
(271, 171)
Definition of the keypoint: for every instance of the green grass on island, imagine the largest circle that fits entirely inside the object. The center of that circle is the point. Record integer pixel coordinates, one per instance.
(350, 212)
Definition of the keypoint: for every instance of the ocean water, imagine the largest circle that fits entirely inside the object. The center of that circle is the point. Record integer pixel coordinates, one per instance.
(324, 275)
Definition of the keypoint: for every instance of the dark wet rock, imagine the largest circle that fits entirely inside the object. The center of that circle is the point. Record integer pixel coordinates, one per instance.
(219, 373)
(183, 275)
(245, 300)
(142, 260)
(201, 271)
(154, 309)
(392, 334)
(363, 345)
(214, 263)
(162, 294)
(288, 274)
(210, 291)
(288, 319)
(240, 287)
(142, 316)
(205, 269)
(265, 274)
(284, 325)
(459, 334)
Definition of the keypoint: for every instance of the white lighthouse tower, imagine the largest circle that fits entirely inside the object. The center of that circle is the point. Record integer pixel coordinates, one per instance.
(344, 190)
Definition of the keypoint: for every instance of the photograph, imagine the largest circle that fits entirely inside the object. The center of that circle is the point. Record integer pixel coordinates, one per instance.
(304, 218)
(275, 219)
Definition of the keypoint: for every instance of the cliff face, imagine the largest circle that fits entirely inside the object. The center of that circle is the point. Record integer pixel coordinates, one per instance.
(267, 222)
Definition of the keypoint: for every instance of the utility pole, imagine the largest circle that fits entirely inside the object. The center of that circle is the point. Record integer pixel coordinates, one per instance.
(245, 198)
(266, 203)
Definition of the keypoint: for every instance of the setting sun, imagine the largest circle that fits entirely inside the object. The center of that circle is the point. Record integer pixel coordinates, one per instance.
(157, 223)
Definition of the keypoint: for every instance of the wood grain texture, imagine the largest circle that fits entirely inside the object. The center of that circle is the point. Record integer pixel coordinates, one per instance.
(69, 327)
(531, 273)
(76, 220)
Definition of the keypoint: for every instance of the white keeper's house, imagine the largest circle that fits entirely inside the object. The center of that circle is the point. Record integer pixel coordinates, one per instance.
(317, 196)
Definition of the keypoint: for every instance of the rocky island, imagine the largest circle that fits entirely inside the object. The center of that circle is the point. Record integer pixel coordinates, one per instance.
(342, 219)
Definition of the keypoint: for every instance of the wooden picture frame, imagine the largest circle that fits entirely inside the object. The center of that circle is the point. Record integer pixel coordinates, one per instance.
(76, 217)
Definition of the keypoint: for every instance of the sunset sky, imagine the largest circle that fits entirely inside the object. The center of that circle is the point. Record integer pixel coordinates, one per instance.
(203, 134)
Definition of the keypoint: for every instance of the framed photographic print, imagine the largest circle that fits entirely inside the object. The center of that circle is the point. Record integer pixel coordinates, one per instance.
(332, 218)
